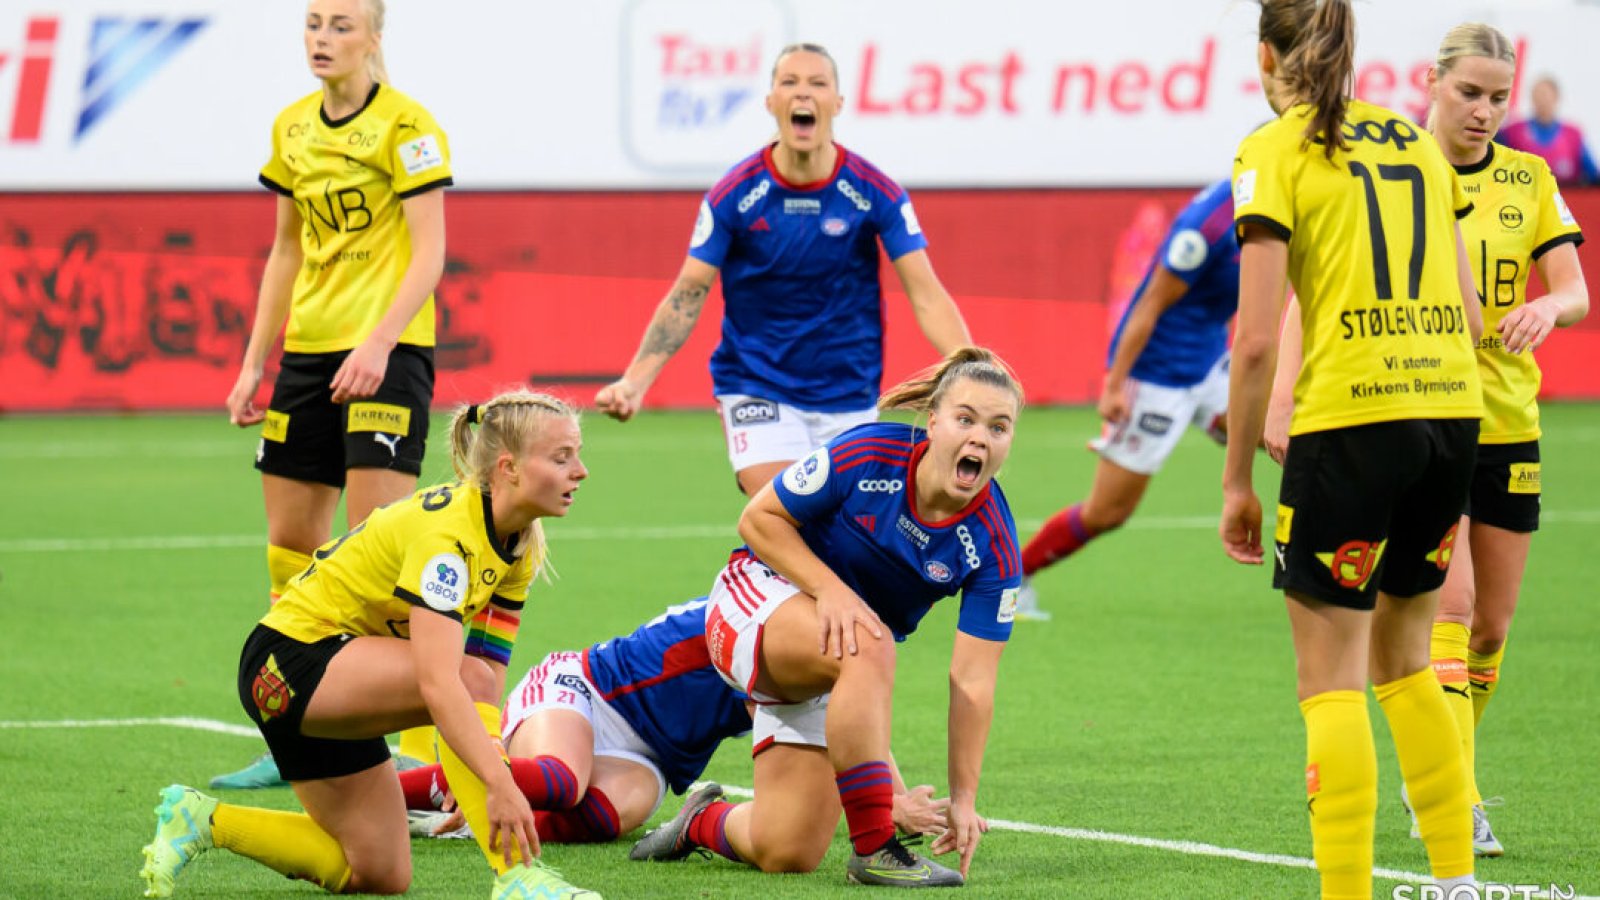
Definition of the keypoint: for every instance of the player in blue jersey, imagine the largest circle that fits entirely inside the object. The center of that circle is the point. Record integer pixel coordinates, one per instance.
(793, 230)
(846, 552)
(1167, 368)
(596, 737)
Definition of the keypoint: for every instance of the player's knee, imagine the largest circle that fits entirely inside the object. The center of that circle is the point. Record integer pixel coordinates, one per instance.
(1488, 638)
(789, 858)
(388, 878)
(876, 652)
(480, 680)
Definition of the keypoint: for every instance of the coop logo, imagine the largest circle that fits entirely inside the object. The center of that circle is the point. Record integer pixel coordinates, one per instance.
(123, 53)
(967, 547)
(880, 485)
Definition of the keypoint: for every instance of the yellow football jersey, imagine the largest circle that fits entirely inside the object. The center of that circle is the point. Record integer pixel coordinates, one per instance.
(347, 178)
(1372, 257)
(1518, 215)
(436, 549)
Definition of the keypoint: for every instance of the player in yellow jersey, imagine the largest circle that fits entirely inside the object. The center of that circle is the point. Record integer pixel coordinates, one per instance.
(359, 169)
(1518, 223)
(1356, 207)
(368, 639)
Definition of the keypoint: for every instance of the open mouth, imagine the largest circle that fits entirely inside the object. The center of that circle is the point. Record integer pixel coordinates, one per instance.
(321, 58)
(968, 469)
(804, 122)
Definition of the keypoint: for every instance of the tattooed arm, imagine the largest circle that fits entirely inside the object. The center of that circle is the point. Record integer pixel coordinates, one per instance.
(669, 328)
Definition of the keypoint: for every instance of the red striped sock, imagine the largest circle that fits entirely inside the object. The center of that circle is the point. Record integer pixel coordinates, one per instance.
(706, 829)
(418, 785)
(1063, 534)
(546, 781)
(592, 821)
(867, 792)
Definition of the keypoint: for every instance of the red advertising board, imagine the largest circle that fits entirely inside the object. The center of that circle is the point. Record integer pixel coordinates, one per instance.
(144, 301)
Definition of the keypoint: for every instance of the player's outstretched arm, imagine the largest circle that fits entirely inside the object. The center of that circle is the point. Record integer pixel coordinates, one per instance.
(935, 310)
(669, 328)
(974, 668)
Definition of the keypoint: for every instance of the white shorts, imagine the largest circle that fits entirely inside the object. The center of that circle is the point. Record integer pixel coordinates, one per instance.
(1158, 417)
(558, 682)
(743, 597)
(766, 431)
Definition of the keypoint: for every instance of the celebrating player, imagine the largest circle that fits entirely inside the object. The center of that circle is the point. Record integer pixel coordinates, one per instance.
(596, 737)
(794, 230)
(1167, 369)
(1470, 86)
(846, 552)
(369, 639)
(1357, 207)
(359, 169)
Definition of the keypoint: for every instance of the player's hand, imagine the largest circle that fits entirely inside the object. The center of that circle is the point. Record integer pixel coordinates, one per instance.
(511, 827)
(1526, 327)
(1115, 401)
(620, 399)
(1241, 526)
(452, 823)
(361, 373)
(1275, 433)
(242, 409)
(839, 610)
(966, 830)
(917, 811)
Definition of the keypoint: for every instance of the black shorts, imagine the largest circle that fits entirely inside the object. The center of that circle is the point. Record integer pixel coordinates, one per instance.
(308, 437)
(1505, 487)
(277, 677)
(1372, 507)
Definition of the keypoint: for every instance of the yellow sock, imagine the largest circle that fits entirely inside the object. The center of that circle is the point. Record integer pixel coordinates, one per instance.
(282, 565)
(470, 792)
(285, 842)
(1483, 671)
(1430, 762)
(418, 743)
(1341, 791)
(1449, 652)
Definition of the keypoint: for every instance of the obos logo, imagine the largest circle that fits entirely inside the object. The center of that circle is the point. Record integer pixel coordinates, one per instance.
(937, 570)
(880, 485)
(123, 54)
(808, 475)
(444, 581)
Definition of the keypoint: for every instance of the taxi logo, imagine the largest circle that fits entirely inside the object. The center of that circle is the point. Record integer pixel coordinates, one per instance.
(1447, 548)
(270, 692)
(1354, 562)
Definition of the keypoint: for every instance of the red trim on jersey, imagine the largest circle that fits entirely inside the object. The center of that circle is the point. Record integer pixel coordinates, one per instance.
(917, 453)
(819, 184)
(762, 745)
(876, 178)
(744, 578)
(733, 179)
(733, 594)
(872, 457)
(1002, 549)
(844, 453)
(685, 656)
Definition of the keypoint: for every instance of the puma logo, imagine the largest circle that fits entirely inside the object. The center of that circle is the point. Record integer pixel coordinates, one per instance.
(392, 441)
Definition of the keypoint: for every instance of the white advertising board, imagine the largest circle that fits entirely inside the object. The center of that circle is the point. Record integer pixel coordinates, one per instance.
(657, 94)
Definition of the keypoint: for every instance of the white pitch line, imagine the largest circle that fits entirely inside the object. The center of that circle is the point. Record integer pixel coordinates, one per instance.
(1189, 848)
(559, 533)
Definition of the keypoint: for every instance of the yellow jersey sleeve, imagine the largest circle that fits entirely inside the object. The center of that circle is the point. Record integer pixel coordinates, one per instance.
(1557, 224)
(1263, 183)
(420, 156)
(276, 175)
(434, 574)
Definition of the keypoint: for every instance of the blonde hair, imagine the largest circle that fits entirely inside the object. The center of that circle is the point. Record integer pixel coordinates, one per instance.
(375, 66)
(1471, 40)
(804, 47)
(1316, 42)
(923, 391)
(508, 423)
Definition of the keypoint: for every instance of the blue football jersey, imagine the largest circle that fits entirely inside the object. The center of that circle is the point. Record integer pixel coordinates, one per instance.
(803, 320)
(852, 499)
(1202, 249)
(660, 680)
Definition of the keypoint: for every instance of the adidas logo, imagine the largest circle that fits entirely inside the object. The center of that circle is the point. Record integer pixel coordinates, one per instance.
(761, 225)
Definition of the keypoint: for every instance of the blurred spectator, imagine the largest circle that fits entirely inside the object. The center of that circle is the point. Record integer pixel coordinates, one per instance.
(1560, 143)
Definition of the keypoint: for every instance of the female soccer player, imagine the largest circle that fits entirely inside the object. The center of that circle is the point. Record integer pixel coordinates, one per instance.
(1470, 86)
(1357, 208)
(368, 640)
(794, 230)
(1167, 369)
(849, 548)
(359, 169)
(596, 737)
